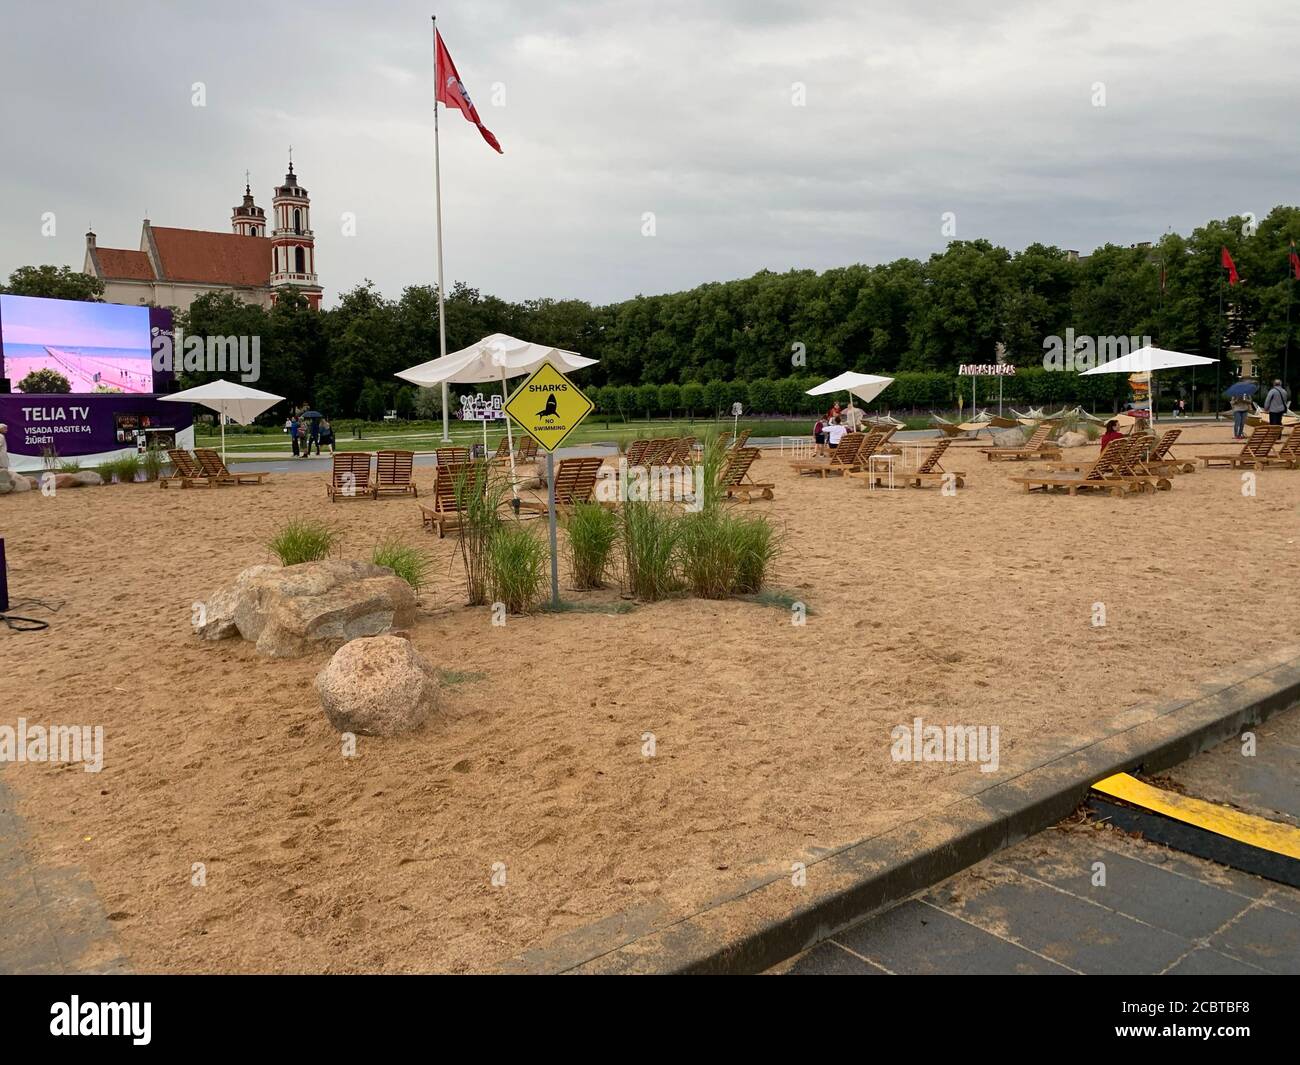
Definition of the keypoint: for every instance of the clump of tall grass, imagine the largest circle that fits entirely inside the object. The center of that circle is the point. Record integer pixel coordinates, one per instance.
(592, 533)
(517, 565)
(757, 546)
(651, 537)
(479, 496)
(124, 468)
(152, 464)
(303, 540)
(69, 466)
(409, 563)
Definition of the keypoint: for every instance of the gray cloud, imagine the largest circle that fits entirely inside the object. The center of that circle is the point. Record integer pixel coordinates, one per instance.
(618, 108)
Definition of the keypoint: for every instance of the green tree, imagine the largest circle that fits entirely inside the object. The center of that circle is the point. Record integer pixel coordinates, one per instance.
(44, 381)
(693, 398)
(670, 398)
(54, 282)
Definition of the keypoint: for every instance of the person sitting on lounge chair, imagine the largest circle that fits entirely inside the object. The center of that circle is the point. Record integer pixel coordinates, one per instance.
(1112, 433)
(835, 433)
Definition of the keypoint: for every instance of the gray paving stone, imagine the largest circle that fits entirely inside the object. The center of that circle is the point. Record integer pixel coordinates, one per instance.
(1069, 930)
(915, 938)
(1206, 962)
(1265, 937)
(830, 959)
(1158, 895)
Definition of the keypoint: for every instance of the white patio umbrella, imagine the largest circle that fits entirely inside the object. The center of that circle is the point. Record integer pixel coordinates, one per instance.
(865, 386)
(494, 358)
(230, 400)
(1148, 360)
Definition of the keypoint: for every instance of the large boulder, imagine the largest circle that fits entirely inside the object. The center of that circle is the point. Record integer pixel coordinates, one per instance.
(1010, 438)
(6, 482)
(21, 483)
(88, 478)
(1072, 439)
(288, 611)
(378, 687)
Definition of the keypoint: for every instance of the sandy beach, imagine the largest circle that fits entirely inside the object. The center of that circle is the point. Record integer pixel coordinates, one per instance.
(772, 739)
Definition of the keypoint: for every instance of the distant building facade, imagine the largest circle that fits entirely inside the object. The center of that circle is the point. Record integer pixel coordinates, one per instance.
(172, 267)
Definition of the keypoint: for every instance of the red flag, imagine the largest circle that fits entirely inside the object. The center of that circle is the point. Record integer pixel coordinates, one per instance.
(450, 91)
(1295, 261)
(1225, 260)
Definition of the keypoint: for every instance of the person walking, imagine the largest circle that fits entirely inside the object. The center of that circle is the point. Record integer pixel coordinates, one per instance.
(1240, 406)
(295, 427)
(1276, 403)
(326, 435)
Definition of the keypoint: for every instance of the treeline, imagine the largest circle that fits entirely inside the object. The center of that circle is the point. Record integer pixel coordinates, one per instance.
(763, 340)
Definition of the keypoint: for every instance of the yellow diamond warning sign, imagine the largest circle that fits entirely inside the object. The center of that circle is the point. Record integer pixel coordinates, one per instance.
(548, 406)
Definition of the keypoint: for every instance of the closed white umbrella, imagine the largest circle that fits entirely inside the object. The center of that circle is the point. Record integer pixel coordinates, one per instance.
(1148, 360)
(494, 358)
(230, 400)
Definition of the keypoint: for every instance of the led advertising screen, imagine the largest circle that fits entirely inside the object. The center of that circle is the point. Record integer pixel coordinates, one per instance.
(97, 347)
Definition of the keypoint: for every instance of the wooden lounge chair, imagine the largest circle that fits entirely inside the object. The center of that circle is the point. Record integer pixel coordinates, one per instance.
(1254, 452)
(682, 454)
(502, 453)
(741, 440)
(393, 474)
(215, 470)
(1288, 454)
(1161, 459)
(656, 449)
(1100, 475)
(930, 471)
(843, 459)
(735, 478)
(186, 471)
(527, 450)
(452, 455)
(349, 476)
(636, 452)
(575, 481)
(1036, 447)
(450, 481)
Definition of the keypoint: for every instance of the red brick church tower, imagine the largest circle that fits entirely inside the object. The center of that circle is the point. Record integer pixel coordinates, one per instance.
(293, 247)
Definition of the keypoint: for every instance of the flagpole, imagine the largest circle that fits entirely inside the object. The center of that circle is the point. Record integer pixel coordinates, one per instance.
(1290, 290)
(1218, 364)
(437, 185)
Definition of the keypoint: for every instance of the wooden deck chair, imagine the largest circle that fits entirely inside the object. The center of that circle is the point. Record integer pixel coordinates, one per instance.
(735, 478)
(450, 481)
(1036, 447)
(215, 470)
(1288, 455)
(1129, 459)
(843, 459)
(455, 456)
(349, 476)
(527, 449)
(724, 440)
(741, 440)
(393, 474)
(930, 471)
(656, 449)
(636, 452)
(185, 471)
(1099, 475)
(682, 454)
(1161, 458)
(502, 453)
(1254, 452)
(575, 482)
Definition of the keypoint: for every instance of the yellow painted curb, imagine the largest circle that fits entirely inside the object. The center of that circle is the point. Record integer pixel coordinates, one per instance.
(1245, 828)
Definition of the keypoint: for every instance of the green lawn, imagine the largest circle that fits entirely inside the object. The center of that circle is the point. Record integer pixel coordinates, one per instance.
(426, 437)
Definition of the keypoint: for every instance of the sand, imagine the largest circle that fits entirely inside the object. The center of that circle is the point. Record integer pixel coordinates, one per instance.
(772, 740)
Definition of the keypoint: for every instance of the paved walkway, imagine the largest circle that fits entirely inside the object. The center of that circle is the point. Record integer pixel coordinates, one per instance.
(51, 920)
(1041, 906)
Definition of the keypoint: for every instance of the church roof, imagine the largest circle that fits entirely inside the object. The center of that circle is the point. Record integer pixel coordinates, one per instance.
(212, 258)
(124, 264)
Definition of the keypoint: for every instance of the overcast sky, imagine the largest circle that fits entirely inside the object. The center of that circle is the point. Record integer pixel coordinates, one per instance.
(684, 108)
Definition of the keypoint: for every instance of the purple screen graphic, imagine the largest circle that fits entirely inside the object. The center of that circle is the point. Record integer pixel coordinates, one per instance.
(101, 348)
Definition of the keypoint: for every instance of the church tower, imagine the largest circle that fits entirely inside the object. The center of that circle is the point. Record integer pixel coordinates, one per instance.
(293, 248)
(248, 220)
